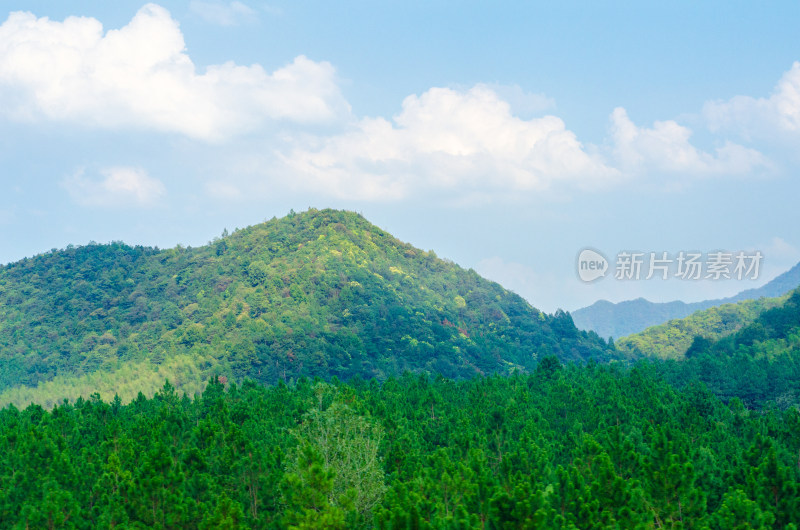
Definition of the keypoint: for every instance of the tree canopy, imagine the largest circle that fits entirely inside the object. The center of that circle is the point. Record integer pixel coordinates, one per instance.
(573, 446)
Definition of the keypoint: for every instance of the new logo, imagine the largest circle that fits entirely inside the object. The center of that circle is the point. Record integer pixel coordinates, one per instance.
(591, 265)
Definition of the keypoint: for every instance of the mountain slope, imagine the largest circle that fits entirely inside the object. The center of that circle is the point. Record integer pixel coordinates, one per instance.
(671, 339)
(632, 316)
(322, 293)
(774, 332)
(759, 363)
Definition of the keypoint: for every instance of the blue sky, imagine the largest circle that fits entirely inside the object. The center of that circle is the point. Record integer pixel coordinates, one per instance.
(506, 136)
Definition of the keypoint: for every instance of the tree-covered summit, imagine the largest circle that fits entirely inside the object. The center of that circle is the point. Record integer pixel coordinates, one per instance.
(320, 293)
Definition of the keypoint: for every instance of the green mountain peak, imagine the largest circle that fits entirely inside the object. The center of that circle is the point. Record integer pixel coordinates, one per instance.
(320, 293)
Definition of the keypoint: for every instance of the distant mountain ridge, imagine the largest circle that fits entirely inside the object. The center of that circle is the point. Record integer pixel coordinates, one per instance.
(608, 319)
(320, 293)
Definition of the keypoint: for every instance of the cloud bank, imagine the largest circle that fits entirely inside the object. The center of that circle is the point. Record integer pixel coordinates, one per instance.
(446, 139)
(469, 142)
(141, 76)
(665, 148)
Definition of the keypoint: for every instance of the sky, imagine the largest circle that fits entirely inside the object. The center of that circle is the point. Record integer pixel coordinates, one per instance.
(506, 136)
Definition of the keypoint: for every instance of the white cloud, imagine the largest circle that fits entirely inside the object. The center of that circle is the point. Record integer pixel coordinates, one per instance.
(665, 149)
(140, 75)
(456, 141)
(230, 14)
(470, 145)
(118, 186)
(779, 113)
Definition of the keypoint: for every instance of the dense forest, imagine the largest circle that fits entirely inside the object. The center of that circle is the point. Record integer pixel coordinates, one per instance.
(315, 372)
(321, 293)
(576, 446)
(759, 363)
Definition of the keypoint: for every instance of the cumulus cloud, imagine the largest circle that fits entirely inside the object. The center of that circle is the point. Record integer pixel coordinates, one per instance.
(665, 148)
(779, 113)
(469, 143)
(140, 75)
(231, 14)
(452, 140)
(477, 143)
(116, 186)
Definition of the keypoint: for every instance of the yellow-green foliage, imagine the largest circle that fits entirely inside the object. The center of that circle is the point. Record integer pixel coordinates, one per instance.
(188, 374)
(672, 339)
(321, 293)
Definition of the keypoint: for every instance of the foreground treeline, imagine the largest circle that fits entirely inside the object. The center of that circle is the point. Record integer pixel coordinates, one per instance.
(564, 447)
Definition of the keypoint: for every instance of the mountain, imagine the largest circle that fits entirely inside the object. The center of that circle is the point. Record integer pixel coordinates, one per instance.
(321, 293)
(671, 339)
(608, 319)
(632, 316)
(758, 364)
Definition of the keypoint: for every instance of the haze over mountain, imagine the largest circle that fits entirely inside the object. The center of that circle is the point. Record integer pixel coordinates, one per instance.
(620, 319)
(321, 293)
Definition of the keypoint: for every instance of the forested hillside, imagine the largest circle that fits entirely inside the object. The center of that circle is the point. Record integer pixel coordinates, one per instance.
(322, 293)
(580, 446)
(672, 339)
(759, 363)
(402, 391)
